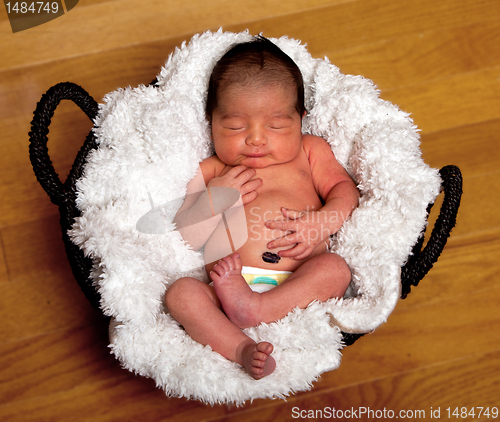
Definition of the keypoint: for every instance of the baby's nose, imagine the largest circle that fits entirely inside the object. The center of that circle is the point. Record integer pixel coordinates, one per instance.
(256, 136)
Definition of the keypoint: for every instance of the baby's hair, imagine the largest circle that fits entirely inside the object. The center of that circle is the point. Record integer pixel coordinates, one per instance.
(259, 60)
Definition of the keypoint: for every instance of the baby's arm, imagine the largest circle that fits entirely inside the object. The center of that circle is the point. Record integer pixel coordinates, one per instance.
(205, 202)
(194, 219)
(339, 193)
(332, 182)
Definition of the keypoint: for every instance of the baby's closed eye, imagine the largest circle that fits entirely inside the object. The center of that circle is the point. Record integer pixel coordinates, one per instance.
(279, 126)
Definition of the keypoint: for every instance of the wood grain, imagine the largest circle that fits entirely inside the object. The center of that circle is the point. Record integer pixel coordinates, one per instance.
(437, 60)
(421, 57)
(446, 103)
(473, 147)
(134, 22)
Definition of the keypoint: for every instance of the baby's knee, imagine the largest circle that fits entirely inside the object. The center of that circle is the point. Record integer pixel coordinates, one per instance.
(341, 266)
(344, 275)
(185, 295)
(340, 271)
(178, 292)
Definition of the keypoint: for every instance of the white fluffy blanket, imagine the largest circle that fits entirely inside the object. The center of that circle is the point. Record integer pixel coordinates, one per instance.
(150, 143)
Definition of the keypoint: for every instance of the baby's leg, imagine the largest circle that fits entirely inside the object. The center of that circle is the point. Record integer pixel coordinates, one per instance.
(320, 278)
(196, 307)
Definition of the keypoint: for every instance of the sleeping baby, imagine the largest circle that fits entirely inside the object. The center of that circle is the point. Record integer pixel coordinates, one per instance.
(294, 194)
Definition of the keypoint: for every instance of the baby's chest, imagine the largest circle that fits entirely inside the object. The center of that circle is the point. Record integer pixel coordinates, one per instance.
(291, 189)
(293, 183)
(293, 178)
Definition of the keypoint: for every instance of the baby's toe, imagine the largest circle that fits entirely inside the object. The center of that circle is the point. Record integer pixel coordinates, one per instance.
(237, 262)
(259, 363)
(265, 347)
(218, 270)
(224, 265)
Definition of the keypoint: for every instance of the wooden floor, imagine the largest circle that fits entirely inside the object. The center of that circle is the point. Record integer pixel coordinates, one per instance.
(437, 59)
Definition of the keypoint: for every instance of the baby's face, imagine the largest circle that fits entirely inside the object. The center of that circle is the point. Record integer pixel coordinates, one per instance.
(256, 126)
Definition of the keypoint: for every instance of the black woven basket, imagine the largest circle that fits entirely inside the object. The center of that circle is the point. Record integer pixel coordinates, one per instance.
(64, 196)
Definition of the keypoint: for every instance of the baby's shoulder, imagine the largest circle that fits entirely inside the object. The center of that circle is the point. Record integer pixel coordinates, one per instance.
(212, 167)
(316, 146)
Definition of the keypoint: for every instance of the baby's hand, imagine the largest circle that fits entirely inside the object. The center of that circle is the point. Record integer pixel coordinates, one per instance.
(306, 230)
(239, 177)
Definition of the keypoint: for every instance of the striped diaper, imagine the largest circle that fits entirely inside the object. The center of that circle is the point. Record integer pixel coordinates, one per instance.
(261, 280)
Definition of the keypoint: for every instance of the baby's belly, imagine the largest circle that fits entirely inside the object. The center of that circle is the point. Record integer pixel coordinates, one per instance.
(267, 207)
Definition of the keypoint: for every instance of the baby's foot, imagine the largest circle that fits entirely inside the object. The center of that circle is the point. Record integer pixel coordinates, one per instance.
(257, 360)
(239, 302)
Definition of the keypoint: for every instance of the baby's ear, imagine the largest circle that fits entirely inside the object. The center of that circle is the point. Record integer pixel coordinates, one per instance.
(209, 119)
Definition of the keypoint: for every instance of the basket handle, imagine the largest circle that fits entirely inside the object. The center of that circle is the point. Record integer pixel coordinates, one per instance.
(39, 154)
(421, 261)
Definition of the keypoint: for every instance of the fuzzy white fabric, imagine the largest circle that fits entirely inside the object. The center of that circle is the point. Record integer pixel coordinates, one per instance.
(150, 143)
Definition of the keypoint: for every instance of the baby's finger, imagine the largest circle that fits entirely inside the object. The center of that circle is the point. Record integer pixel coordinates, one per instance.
(282, 225)
(303, 255)
(292, 214)
(251, 185)
(235, 171)
(249, 197)
(242, 173)
(287, 240)
(297, 252)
